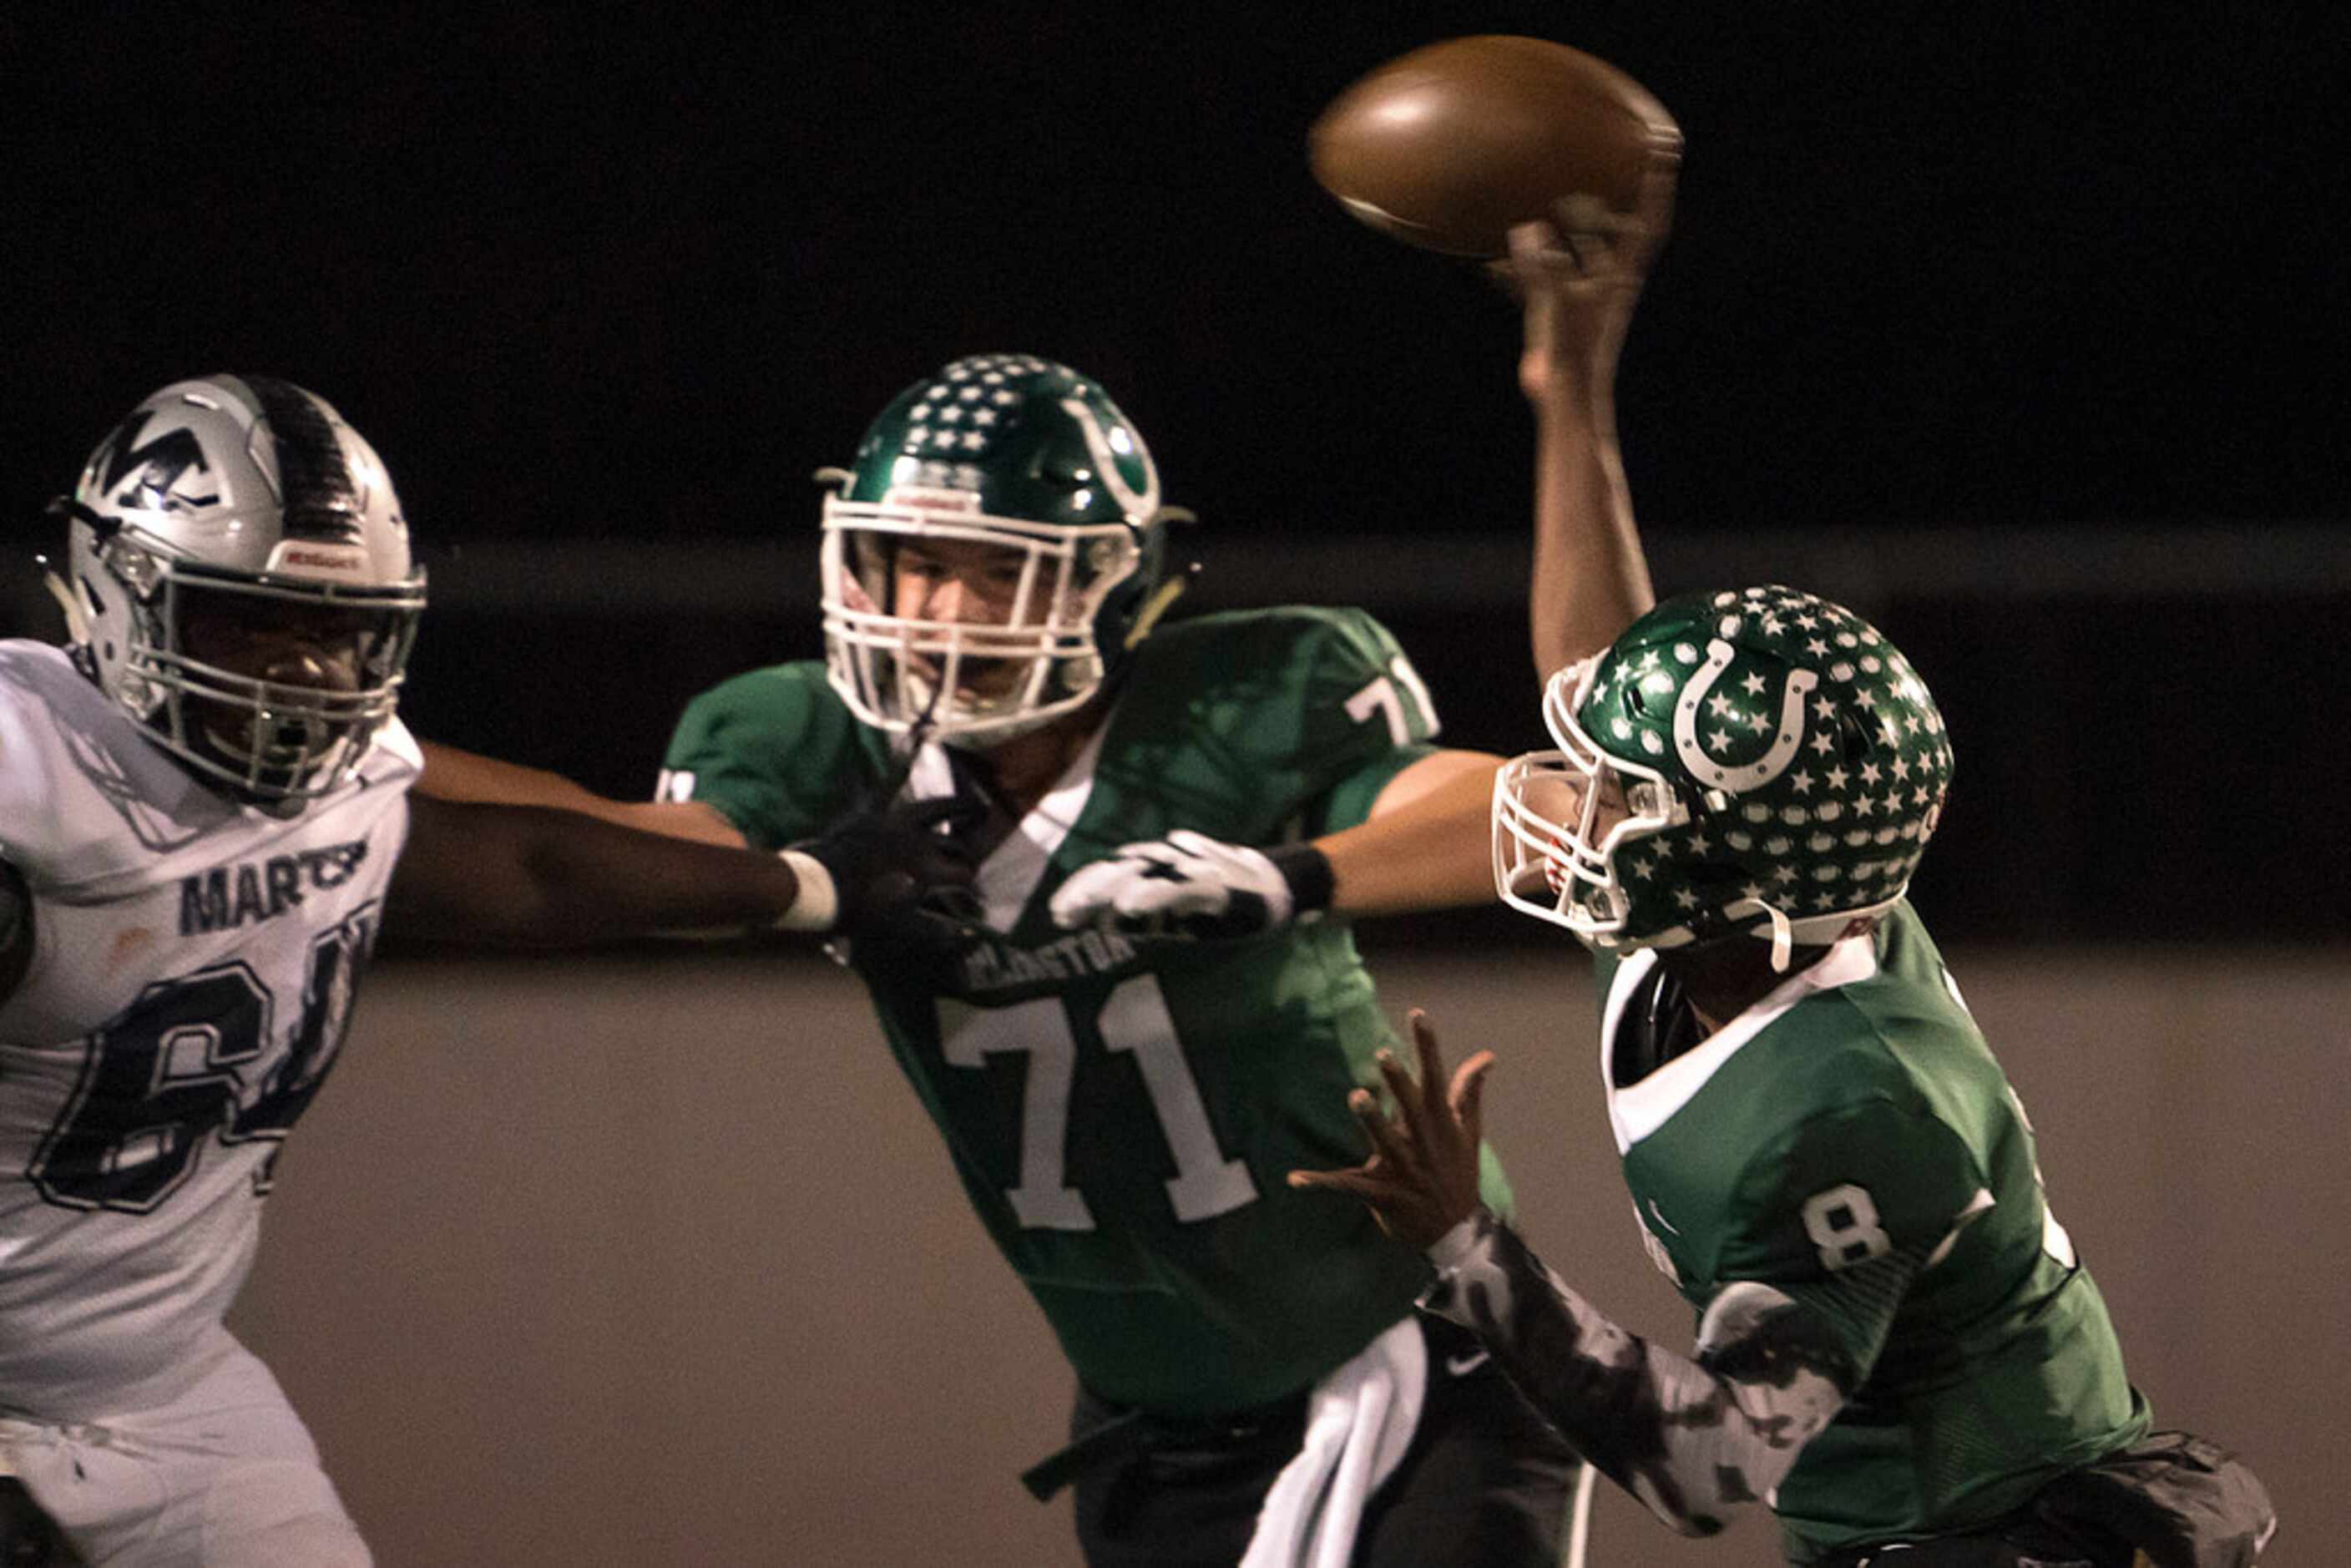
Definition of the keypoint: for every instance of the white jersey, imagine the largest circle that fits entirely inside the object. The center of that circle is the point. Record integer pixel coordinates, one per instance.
(192, 977)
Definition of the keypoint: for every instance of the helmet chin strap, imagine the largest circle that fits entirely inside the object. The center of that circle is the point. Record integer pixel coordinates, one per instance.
(1784, 936)
(919, 734)
(1166, 594)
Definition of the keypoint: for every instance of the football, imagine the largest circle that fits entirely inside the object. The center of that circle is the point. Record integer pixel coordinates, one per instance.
(1450, 146)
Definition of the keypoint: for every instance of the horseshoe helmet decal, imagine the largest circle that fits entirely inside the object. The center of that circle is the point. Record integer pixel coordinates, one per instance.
(1139, 503)
(1738, 778)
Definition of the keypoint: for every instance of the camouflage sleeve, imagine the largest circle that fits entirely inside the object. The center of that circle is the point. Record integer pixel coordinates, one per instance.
(1692, 1439)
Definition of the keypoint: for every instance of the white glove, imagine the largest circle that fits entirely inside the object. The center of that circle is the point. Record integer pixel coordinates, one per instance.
(1193, 885)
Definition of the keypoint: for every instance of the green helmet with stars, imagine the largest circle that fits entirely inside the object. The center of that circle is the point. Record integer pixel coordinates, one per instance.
(1016, 473)
(1758, 761)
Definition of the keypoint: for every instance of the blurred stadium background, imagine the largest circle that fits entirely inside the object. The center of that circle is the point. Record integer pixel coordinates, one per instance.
(2024, 337)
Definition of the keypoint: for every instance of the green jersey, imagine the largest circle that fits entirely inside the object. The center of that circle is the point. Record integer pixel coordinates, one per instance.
(1124, 1113)
(1857, 1114)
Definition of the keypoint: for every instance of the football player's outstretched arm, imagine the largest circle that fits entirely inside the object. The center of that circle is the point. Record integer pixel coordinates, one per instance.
(1423, 844)
(532, 875)
(1693, 1439)
(1427, 843)
(1578, 281)
(473, 871)
(454, 775)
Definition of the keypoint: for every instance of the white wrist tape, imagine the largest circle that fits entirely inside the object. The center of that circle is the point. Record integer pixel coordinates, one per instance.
(817, 905)
(1450, 1250)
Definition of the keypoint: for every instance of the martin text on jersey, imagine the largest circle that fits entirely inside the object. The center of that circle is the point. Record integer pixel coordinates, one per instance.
(228, 896)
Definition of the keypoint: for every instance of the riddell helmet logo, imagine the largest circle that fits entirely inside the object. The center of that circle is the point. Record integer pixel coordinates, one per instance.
(927, 498)
(326, 560)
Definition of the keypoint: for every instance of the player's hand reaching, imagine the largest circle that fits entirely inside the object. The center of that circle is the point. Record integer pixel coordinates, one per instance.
(1578, 277)
(904, 871)
(1188, 884)
(1422, 1178)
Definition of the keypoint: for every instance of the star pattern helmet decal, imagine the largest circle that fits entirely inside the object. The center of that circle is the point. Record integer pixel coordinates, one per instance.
(972, 407)
(1808, 760)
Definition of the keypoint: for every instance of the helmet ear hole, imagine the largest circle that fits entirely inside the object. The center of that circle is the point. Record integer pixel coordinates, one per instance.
(1855, 739)
(1711, 874)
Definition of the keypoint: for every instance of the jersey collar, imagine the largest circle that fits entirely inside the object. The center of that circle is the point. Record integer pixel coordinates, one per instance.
(1639, 1109)
(1010, 875)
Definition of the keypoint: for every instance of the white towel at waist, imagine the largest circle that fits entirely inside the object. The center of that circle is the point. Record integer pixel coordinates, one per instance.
(1359, 1422)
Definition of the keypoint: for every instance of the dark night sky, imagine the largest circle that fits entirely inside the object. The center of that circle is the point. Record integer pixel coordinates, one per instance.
(629, 276)
(639, 272)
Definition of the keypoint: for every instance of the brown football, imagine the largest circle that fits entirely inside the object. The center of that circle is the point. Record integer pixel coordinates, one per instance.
(1450, 145)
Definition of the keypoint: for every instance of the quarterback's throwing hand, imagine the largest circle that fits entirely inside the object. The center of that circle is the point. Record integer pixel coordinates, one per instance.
(1422, 1178)
(1577, 278)
(1190, 885)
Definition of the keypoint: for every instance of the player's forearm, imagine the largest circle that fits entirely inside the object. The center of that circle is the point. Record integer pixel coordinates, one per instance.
(468, 777)
(531, 876)
(1691, 1445)
(1590, 577)
(454, 775)
(1427, 843)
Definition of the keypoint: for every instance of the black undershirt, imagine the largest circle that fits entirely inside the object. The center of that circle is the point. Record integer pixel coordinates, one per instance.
(1658, 1025)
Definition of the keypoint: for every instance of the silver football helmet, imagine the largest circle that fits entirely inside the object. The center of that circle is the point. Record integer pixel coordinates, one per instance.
(245, 502)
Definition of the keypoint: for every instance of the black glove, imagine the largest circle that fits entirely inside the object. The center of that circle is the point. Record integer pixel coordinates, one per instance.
(905, 870)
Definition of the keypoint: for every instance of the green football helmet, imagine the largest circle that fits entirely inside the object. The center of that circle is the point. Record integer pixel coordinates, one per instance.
(1759, 761)
(1019, 472)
